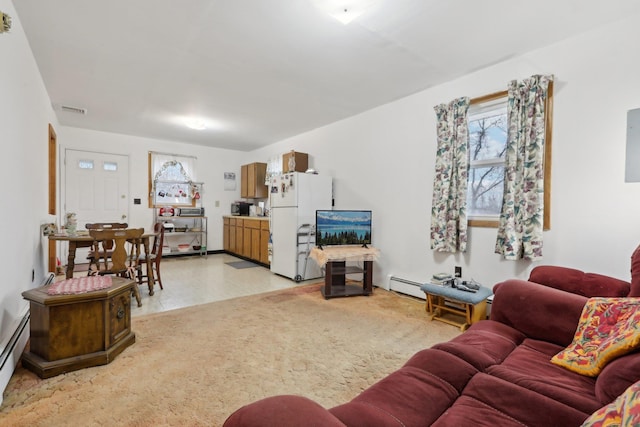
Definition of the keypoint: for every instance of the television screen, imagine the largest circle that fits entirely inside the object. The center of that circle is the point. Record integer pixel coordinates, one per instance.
(342, 227)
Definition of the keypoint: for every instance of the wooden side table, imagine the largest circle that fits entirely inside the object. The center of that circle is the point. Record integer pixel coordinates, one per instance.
(334, 259)
(471, 307)
(71, 332)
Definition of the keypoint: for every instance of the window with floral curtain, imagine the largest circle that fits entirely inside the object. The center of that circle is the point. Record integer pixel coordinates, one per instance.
(448, 211)
(522, 216)
(171, 179)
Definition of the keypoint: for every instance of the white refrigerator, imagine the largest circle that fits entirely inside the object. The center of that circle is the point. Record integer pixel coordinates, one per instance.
(294, 199)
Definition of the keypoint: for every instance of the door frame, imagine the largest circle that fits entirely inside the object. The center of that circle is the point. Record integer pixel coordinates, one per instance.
(53, 165)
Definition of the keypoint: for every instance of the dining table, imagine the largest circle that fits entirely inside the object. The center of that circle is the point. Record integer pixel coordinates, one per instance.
(84, 240)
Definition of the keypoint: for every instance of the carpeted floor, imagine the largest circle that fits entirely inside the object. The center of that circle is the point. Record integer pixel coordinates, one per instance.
(194, 366)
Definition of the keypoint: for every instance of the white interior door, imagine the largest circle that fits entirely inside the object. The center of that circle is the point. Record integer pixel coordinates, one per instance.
(96, 188)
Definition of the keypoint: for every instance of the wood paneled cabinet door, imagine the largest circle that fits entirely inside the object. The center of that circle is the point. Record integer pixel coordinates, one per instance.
(225, 234)
(252, 181)
(255, 243)
(239, 248)
(232, 235)
(252, 238)
(264, 242)
(246, 242)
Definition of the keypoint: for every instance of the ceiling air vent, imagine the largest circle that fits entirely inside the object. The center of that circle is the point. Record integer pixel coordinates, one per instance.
(76, 110)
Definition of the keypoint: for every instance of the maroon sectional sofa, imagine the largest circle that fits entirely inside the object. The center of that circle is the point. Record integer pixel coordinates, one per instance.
(497, 373)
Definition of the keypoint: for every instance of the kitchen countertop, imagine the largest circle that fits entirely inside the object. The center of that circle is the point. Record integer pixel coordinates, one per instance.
(261, 218)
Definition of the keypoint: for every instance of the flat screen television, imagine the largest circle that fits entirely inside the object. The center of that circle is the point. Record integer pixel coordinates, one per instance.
(343, 227)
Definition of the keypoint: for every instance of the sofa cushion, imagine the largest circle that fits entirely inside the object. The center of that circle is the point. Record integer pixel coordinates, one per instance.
(446, 366)
(624, 411)
(529, 367)
(608, 328)
(532, 309)
(635, 273)
(282, 411)
(484, 344)
(579, 282)
(617, 376)
(407, 397)
(489, 401)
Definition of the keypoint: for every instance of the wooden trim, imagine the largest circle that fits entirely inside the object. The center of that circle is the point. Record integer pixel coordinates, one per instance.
(483, 223)
(548, 119)
(52, 254)
(490, 97)
(150, 172)
(52, 169)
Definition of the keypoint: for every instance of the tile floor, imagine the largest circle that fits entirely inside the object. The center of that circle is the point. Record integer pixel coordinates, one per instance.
(197, 280)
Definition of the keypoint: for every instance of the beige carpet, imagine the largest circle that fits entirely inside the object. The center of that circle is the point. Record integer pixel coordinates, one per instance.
(194, 366)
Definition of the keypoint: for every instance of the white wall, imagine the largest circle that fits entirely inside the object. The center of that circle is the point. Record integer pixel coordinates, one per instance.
(383, 160)
(25, 113)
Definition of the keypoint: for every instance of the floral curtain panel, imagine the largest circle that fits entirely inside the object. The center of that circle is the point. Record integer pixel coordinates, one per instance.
(449, 208)
(521, 219)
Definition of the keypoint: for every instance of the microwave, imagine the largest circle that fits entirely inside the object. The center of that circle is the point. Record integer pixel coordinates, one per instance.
(191, 212)
(240, 208)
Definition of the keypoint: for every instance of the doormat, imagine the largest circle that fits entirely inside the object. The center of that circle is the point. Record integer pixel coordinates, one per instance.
(242, 264)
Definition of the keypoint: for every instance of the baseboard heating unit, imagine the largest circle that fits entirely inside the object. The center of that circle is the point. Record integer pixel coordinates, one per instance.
(405, 286)
(12, 349)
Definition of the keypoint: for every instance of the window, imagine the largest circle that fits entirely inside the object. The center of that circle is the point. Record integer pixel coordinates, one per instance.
(110, 166)
(171, 180)
(487, 142)
(487, 145)
(85, 164)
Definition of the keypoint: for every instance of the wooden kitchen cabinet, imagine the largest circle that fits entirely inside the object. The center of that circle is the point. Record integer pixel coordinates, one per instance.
(239, 249)
(246, 242)
(264, 242)
(248, 237)
(225, 234)
(252, 178)
(232, 235)
(252, 238)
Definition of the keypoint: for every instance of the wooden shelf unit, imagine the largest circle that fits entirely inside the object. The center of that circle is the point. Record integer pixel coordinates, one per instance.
(336, 284)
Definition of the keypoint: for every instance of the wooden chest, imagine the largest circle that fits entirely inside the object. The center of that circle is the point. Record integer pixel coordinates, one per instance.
(71, 332)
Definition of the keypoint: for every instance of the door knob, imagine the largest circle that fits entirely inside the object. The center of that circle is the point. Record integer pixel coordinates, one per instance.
(123, 216)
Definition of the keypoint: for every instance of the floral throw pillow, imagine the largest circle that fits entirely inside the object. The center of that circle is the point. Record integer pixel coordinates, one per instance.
(624, 411)
(608, 328)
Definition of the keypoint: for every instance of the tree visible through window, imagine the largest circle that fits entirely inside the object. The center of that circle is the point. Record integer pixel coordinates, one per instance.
(487, 145)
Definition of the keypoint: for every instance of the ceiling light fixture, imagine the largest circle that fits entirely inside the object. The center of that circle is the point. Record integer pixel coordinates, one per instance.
(195, 123)
(344, 11)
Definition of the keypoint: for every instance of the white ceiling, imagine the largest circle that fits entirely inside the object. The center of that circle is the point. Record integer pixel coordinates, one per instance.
(259, 71)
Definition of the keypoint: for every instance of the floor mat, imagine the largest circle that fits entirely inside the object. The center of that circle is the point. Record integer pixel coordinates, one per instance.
(242, 264)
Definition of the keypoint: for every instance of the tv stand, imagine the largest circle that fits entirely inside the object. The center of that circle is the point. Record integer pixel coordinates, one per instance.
(335, 281)
(334, 259)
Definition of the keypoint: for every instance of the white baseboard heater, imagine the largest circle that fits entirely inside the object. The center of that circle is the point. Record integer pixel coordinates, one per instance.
(406, 286)
(12, 351)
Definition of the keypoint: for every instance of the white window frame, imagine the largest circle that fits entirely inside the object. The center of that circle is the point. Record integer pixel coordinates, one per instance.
(476, 110)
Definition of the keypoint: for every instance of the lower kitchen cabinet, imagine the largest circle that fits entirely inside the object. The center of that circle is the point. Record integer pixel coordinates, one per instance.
(247, 237)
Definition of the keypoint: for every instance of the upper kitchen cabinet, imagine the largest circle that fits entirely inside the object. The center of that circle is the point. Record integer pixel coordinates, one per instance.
(252, 184)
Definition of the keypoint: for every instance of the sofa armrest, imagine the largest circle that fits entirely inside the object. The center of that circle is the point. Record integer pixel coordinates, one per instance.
(539, 312)
(579, 282)
(283, 411)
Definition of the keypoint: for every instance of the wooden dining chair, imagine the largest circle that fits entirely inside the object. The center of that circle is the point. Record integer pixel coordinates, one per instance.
(118, 260)
(155, 256)
(109, 247)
